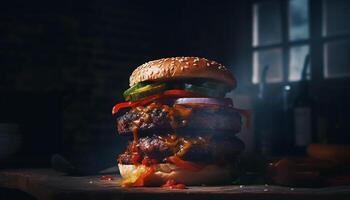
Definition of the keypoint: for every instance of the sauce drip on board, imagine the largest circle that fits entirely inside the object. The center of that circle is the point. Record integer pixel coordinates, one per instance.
(171, 184)
(106, 178)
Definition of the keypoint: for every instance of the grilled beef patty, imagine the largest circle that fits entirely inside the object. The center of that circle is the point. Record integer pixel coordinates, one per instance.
(160, 119)
(209, 150)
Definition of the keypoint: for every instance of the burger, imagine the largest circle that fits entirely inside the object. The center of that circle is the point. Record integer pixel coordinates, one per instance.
(181, 127)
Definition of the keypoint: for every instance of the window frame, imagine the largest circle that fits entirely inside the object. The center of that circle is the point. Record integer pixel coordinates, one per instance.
(320, 85)
(285, 44)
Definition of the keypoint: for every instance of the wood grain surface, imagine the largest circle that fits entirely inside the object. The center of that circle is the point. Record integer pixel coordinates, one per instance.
(49, 184)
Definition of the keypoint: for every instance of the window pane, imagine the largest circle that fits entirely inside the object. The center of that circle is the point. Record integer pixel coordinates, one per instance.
(336, 16)
(266, 23)
(296, 62)
(337, 59)
(298, 19)
(272, 58)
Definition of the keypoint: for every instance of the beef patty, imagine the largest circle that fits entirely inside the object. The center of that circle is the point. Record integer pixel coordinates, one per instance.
(209, 150)
(160, 119)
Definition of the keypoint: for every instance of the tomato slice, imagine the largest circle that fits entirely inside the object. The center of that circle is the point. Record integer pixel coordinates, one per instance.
(150, 99)
(180, 93)
(119, 106)
(128, 104)
(190, 166)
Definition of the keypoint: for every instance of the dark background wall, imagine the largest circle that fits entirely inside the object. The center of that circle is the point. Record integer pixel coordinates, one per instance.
(65, 64)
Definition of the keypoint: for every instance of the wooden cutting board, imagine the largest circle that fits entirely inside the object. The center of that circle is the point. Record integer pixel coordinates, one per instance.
(49, 184)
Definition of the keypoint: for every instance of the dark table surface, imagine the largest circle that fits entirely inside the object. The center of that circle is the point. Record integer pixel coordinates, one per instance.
(49, 184)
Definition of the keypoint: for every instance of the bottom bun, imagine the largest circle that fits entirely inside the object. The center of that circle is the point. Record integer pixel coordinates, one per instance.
(209, 175)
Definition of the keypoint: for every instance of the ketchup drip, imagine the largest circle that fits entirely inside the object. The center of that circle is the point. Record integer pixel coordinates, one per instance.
(136, 138)
(136, 158)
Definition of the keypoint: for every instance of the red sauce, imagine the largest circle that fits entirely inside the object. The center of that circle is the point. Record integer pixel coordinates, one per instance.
(190, 166)
(182, 111)
(171, 140)
(135, 158)
(185, 147)
(135, 129)
(171, 184)
(148, 162)
(106, 178)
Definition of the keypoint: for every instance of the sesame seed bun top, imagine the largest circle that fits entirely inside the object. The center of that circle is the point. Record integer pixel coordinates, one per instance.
(180, 68)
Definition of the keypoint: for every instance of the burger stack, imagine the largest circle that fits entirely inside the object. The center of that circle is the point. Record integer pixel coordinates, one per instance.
(181, 127)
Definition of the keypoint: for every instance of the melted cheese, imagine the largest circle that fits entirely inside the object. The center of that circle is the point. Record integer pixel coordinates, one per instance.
(137, 176)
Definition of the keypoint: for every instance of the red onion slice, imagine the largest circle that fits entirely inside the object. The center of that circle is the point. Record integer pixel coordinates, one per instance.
(211, 101)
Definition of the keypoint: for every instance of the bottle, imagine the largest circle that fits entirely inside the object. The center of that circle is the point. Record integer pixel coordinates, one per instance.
(302, 113)
(263, 132)
(287, 141)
